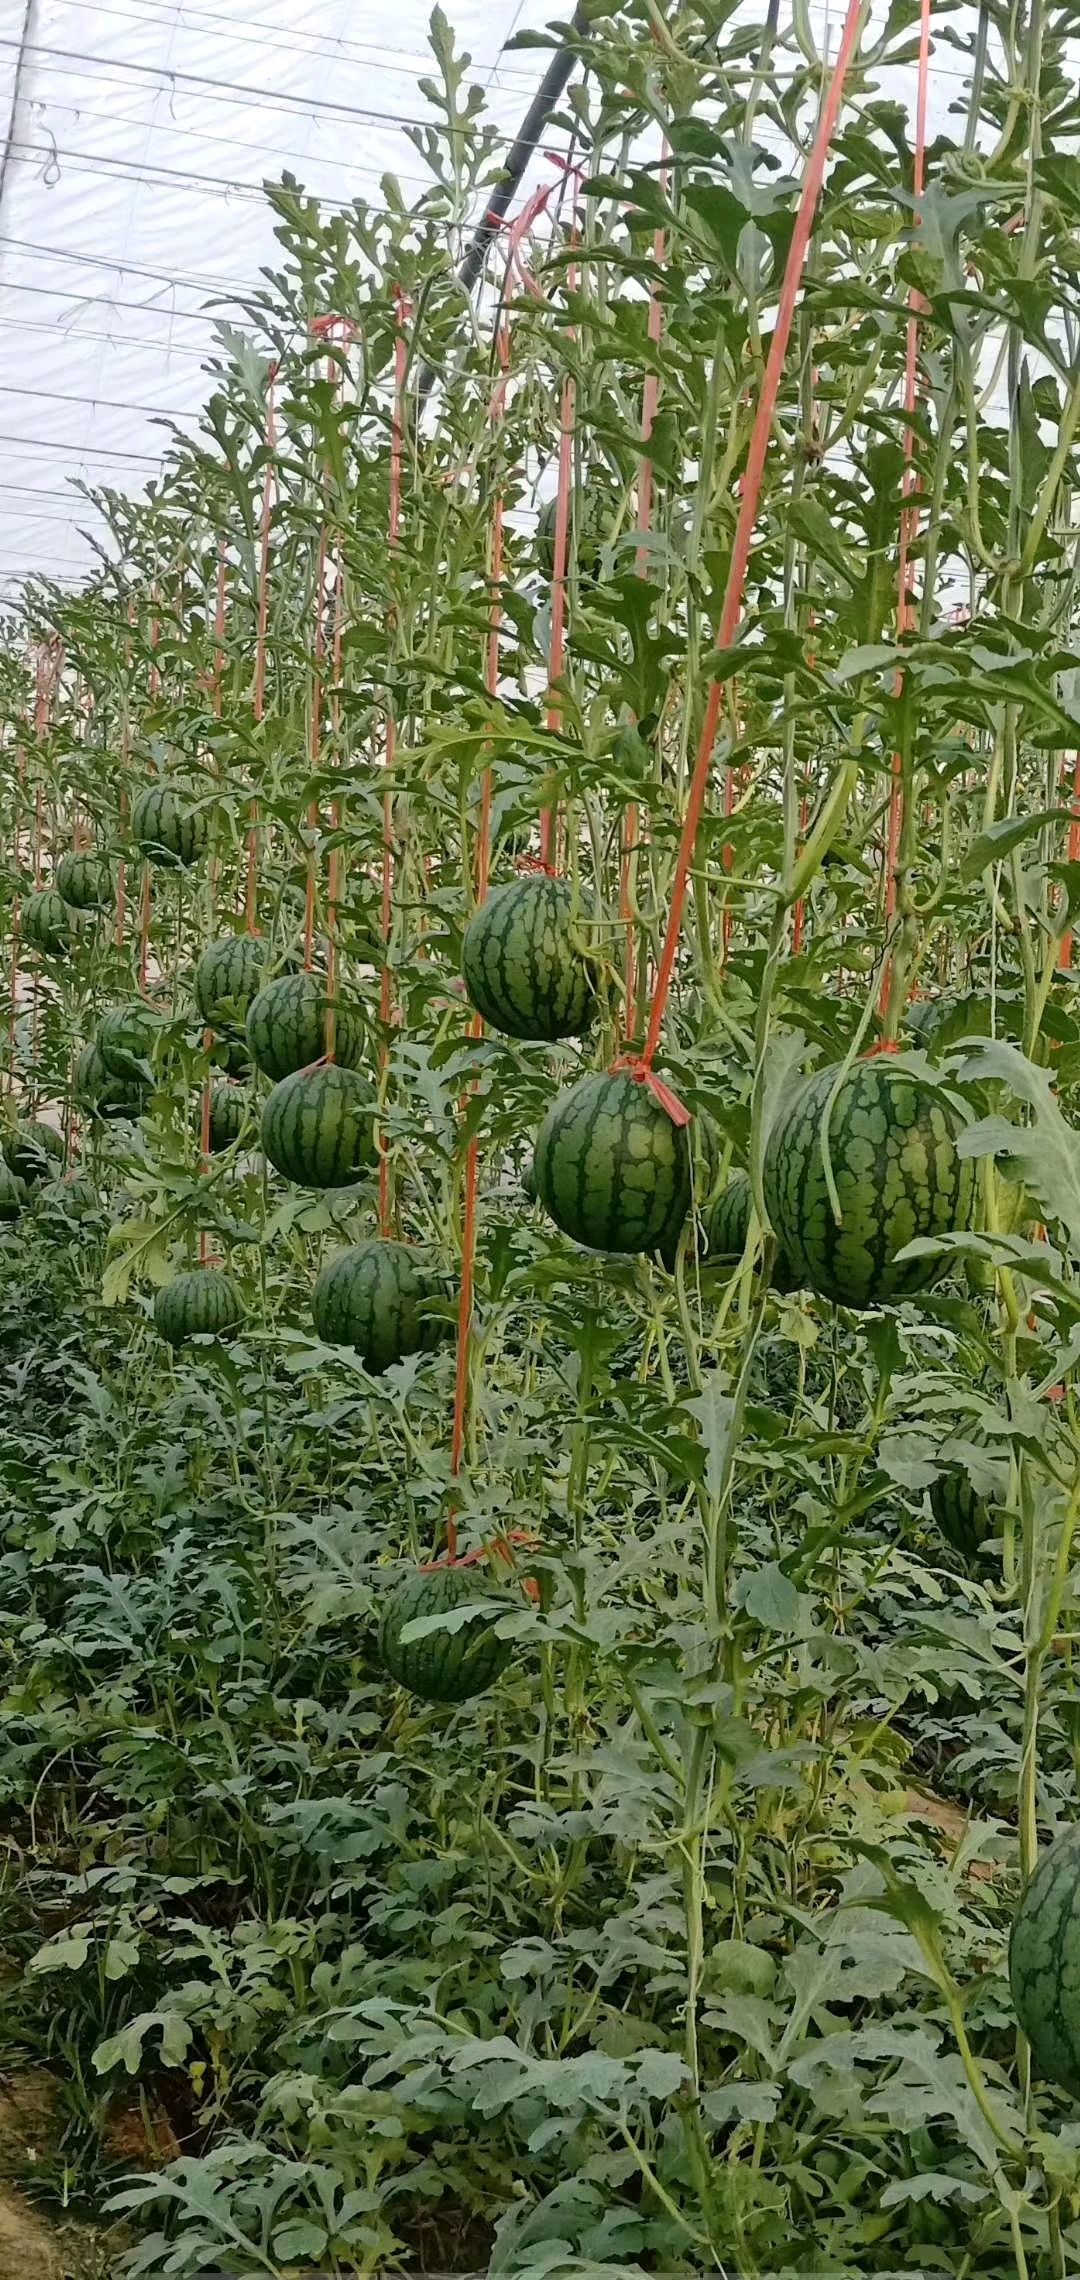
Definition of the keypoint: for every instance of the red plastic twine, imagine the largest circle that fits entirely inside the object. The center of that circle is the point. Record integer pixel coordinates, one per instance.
(557, 649)
(258, 694)
(208, 1034)
(650, 397)
(386, 990)
(748, 505)
(325, 328)
(1066, 957)
(909, 518)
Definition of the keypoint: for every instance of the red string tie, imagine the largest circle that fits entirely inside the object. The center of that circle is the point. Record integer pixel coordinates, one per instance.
(642, 1073)
(537, 863)
(884, 1045)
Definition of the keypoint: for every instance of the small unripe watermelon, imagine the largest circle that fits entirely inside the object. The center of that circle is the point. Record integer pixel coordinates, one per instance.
(287, 1026)
(201, 1302)
(227, 977)
(318, 1126)
(444, 1666)
(167, 829)
(963, 1516)
(46, 923)
(377, 1298)
(85, 882)
(1044, 1962)
(230, 1116)
(102, 1095)
(34, 1152)
(892, 1144)
(126, 1038)
(611, 1167)
(524, 969)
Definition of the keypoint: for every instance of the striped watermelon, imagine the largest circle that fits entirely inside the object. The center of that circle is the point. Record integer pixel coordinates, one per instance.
(46, 923)
(523, 968)
(376, 1298)
(230, 1115)
(101, 1095)
(318, 1126)
(892, 1144)
(592, 513)
(703, 1142)
(85, 881)
(963, 1516)
(69, 1200)
(727, 1225)
(1044, 1962)
(34, 1152)
(13, 1192)
(166, 829)
(201, 1302)
(287, 1026)
(444, 1666)
(611, 1167)
(126, 1038)
(227, 977)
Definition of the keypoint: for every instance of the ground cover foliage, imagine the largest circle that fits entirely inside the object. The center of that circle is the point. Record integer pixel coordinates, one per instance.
(682, 1948)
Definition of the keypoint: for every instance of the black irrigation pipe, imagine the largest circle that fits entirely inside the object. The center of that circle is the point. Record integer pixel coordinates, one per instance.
(532, 127)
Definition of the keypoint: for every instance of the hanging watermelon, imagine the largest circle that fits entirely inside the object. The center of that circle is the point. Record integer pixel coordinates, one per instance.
(444, 1666)
(524, 969)
(611, 1168)
(227, 977)
(201, 1302)
(127, 1037)
(85, 882)
(46, 922)
(377, 1298)
(318, 1126)
(287, 1027)
(166, 829)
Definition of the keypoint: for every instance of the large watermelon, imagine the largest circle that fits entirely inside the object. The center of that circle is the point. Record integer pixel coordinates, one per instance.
(13, 1193)
(378, 1298)
(892, 1145)
(46, 922)
(202, 1301)
(524, 969)
(167, 829)
(287, 1026)
(592, 513)
(230, 1115)
(85, 882)
(963, 1516)
(34, 1152)
(126, 1038)
(318, 1126)
(727, 1225)
(611, 1167)
(444, 1666)
(101, 1095)
(227, 977)
(1044, 1962)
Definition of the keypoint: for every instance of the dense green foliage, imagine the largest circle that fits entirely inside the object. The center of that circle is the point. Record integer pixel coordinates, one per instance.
(658, 1923)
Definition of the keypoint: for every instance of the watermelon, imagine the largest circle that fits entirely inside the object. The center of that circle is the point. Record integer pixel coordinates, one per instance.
(46, 922)
(201, 1302)
(963, 1516)
(1044, 1962)
(892, 1144)
(166, 829)
(85, 882)
(703, 1141)
(592, 512)
(727, 1225)
(13, 1193)
(101, 1095)
(444, 1666)
(70, 1199)
(318, 1126)
(227, 977)
(126, 1038)
(230, 1115)
(523, 969)
(376, 1298)
(611, 1168)
(287, 1027)
(34, 1152)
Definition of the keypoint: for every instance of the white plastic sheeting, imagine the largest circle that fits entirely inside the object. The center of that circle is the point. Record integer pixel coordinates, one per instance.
(138, 136)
